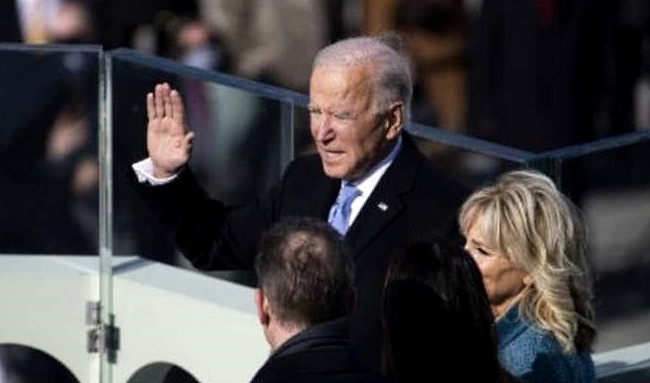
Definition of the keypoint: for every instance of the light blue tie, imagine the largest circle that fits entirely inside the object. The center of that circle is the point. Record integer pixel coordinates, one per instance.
(339, 216)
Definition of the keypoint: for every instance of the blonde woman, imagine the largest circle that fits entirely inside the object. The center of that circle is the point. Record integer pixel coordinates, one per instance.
(528, 240)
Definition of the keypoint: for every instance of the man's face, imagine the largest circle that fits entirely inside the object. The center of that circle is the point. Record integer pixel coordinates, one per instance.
(349, 134)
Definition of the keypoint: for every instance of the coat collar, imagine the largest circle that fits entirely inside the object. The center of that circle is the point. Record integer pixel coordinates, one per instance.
(510, 326)
(385, 202)
(323, 348)
(334, 332)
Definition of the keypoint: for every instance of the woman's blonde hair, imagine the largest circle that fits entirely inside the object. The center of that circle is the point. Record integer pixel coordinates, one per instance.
(525, 217)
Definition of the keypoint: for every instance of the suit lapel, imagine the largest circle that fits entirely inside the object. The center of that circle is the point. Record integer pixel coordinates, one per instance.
(385, 203)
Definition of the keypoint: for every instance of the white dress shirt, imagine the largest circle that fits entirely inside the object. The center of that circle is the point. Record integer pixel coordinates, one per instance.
(367, 184)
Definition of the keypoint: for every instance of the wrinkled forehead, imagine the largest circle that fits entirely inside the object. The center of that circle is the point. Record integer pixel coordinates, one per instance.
(340, 84)
(351, 76)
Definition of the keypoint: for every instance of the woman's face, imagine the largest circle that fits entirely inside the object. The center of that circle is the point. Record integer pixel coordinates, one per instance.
(502, 279)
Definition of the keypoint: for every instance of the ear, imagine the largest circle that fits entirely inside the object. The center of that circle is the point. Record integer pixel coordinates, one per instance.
(262, 306)
(394, 120)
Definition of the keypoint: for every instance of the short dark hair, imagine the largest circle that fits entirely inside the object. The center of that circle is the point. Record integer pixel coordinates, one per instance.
(306, 271)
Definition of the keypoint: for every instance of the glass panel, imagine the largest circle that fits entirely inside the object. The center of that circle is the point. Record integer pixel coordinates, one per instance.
(302, 141)
(49, 208)
(244, 138)
(242, 143)
(48, 151)
(610, 181)
(472, 160)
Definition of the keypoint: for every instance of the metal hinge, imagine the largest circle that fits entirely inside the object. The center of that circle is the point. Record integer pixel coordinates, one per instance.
(102, 336)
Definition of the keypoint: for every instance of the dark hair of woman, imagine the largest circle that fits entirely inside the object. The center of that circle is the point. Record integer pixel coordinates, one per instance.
(436, 316)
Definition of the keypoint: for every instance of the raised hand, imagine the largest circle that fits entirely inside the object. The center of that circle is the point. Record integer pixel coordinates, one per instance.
(169, 141)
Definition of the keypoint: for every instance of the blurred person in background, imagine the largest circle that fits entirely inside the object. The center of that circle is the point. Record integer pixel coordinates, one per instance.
(49, 140)
(50, 174)
(435, 41)
(536, 72)
(47, 21)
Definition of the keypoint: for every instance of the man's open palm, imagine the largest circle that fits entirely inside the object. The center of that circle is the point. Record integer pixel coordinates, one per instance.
(169, 141)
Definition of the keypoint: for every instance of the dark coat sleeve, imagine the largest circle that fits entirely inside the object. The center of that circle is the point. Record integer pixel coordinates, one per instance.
(210, 234)
(215, 236)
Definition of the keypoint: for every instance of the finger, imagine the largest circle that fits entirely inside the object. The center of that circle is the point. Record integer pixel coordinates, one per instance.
(158, 101)
(151, 111)
(189, 140)
(167, 102)
(189, 137)
(177, 107)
